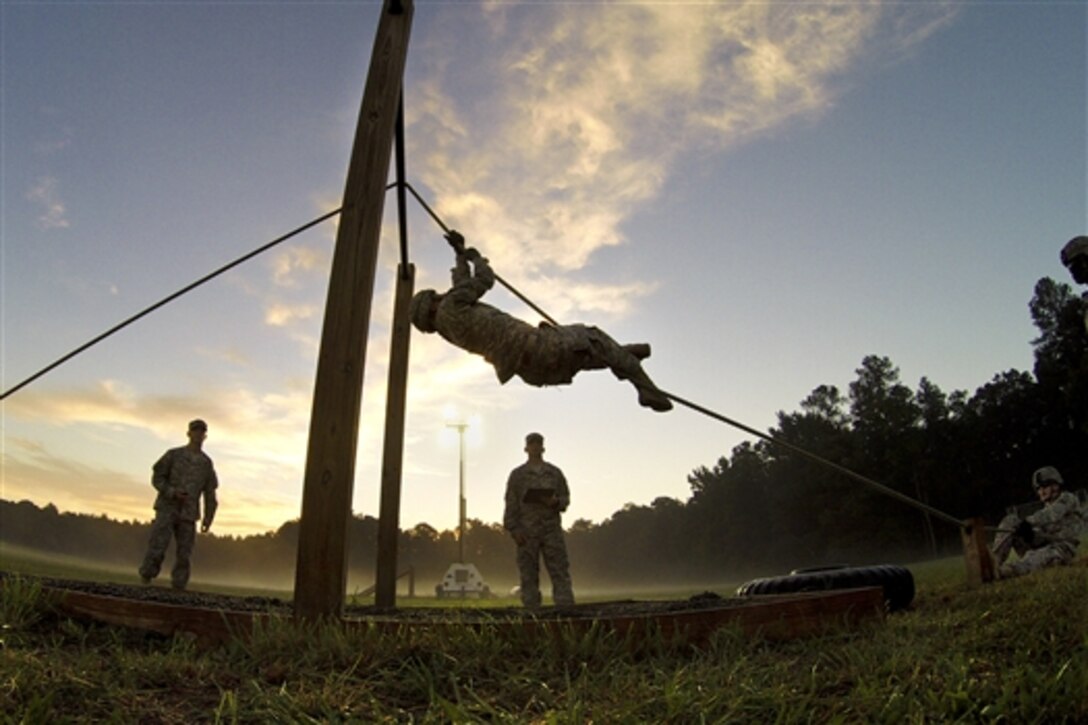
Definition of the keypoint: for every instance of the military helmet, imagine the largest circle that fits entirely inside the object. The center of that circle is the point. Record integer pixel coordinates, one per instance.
(420, 309)
(1075, 247)
(1044, 476)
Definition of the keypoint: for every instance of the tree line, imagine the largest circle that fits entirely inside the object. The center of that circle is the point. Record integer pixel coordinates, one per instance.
(760, 509)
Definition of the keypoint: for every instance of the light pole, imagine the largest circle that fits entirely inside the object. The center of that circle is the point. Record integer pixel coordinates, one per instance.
(461, 479)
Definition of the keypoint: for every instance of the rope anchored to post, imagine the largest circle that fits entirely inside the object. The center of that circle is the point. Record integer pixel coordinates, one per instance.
(457, 242)
(169, 298)
(401, 185)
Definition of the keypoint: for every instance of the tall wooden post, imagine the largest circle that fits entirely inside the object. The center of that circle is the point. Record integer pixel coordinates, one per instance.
(321, 567)
(385, 588)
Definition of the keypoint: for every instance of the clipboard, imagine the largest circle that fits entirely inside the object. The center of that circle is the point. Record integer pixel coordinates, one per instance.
(542, 496)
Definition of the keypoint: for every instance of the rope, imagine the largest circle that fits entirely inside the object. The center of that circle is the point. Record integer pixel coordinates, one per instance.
(401, 185)
(402, 215)
(498, 279)
(823, 461)
(120, 326)
(736, 424)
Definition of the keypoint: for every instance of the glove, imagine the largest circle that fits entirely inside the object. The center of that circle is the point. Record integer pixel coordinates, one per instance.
(1026, 532)
(456, 241)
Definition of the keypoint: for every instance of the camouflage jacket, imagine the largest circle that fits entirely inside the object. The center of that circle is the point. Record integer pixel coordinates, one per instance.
(1060, 521)
(521, 512)
(543, 355)
(181, 477)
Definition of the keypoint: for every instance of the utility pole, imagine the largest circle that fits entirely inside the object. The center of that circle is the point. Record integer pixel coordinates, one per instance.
(461, 481)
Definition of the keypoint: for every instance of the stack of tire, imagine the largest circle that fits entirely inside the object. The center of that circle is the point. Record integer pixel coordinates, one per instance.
(897, 582)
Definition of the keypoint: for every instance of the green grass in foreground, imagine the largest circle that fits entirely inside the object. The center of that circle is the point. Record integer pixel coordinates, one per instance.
(1013, 651)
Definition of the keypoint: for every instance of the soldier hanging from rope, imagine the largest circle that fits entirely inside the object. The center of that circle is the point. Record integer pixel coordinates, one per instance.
(544, 355)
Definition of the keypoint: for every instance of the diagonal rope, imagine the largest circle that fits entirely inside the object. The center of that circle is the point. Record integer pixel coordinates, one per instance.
(821, 460)
(736, 424)
(500, 280)
(401, 184)
(170, 298)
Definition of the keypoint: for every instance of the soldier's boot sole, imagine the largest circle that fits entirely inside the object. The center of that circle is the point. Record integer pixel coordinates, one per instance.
(654, 399)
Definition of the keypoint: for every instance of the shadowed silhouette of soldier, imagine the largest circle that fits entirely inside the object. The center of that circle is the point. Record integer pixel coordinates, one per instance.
(542, 355)
(1075, 259)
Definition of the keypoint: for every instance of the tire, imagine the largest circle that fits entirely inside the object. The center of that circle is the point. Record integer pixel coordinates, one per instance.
(896, 581)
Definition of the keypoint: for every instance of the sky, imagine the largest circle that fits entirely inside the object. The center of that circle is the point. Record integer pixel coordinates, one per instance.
(764, 192)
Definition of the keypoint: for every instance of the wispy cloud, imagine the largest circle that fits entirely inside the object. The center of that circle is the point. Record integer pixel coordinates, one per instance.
(258, 438)
(280, 315)
(581, 126)
(292, 262)
(31, 469)
(594, 115)
(45, 195)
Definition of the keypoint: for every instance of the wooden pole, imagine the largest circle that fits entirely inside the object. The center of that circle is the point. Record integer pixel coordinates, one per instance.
(321, 567)
(385, 585)
(980, 563)
(385, 593)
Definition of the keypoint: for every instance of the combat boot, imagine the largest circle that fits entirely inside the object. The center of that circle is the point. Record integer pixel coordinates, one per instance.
(650, 396)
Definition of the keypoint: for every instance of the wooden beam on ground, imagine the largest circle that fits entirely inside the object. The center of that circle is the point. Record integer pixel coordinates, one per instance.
(385, 593)
(321, 567)
(771, 616)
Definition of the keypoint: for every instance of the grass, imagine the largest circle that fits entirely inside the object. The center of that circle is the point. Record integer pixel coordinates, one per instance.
(1013, 651)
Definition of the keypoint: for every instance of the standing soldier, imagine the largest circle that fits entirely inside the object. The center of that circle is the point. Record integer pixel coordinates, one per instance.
(181, 477)
(544, 355)
(1048, 537)
(536, 495)
(1075, 259)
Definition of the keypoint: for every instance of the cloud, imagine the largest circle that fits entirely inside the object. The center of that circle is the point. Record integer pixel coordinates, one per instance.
(591, 117)
(580, 126)
(290, 263)
(44, 194)
(280, 315)
(258, 441)
(30, 468)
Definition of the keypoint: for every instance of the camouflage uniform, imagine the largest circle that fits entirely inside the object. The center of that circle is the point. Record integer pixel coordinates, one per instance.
(1056, 529)
(541, 526)
(181, 477)
(543, 355)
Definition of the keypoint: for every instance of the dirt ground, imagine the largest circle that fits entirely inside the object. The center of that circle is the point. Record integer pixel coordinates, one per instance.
(207, 600)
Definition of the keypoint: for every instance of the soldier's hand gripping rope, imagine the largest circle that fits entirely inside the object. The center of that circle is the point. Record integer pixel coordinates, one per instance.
(456, 240)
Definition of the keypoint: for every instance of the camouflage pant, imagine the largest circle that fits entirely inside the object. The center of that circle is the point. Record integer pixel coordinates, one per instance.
(547, 543)
(167, 525)
(1030, 558)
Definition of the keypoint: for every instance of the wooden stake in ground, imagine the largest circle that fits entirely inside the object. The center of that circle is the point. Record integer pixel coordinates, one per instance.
(321, 568)
(980, 562)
